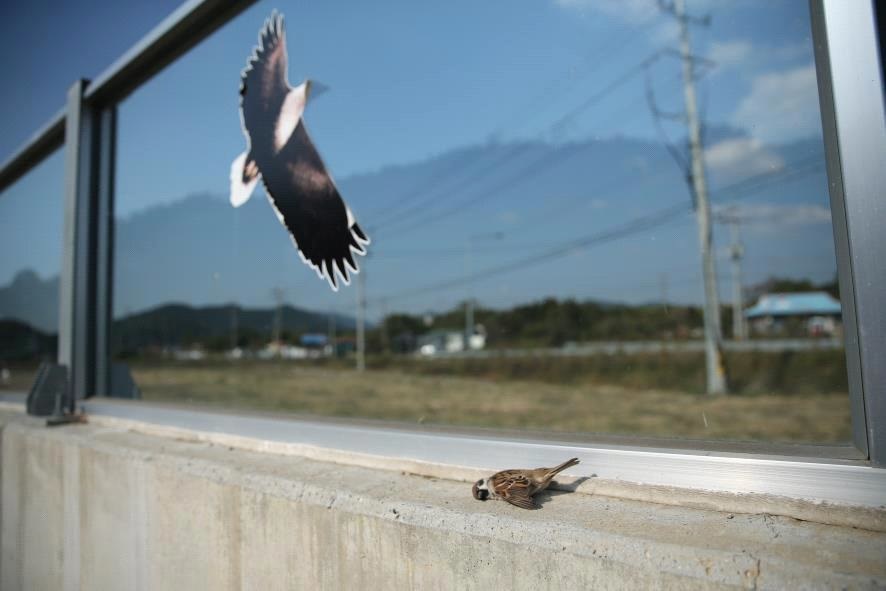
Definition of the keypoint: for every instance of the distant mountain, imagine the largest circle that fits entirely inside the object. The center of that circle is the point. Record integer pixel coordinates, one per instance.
(31, 300)
(176, 325)
(421, 215)
(181, 325)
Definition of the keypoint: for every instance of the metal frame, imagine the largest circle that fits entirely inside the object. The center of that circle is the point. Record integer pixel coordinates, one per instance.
(852, 100)
(44, 142)
(850, 88)
(103, 265)
(72, 341)
(87, 128)
(842, 482)
(187, 26)
(87, 247)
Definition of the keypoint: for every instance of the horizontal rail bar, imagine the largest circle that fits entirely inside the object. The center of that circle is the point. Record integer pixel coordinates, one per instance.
(190, 24)
(839, 482)
(44, 142)
(828, 452)
(180, 31)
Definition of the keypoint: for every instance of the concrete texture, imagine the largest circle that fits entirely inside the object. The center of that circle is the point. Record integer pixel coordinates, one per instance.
(856, 499)
(93, 507)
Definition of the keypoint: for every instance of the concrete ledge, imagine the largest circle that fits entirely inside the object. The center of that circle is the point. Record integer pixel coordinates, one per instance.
(831, 491)
(97, 507)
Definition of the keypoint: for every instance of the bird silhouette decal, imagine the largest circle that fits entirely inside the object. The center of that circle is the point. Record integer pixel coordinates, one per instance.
(280, 152)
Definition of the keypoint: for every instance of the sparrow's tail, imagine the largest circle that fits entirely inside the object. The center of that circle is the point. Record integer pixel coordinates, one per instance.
(557, 469)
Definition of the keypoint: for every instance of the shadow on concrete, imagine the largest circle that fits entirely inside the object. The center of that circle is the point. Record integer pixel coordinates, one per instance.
(561, 489)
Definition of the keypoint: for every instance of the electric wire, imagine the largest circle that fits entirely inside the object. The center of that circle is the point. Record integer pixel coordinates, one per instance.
(739, 190)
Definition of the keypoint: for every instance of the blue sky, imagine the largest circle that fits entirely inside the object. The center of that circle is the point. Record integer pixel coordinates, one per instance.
(410, 81)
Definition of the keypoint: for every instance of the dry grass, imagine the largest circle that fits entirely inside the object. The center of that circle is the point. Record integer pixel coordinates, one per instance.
(486, 401)
(395, 395)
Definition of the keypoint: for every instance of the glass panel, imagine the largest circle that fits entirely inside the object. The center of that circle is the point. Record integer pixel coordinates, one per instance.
(31, 242)
(535, 259)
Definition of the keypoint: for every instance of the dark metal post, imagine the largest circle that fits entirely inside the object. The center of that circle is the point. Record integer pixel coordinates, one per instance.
(106, 156)
(87, 261)
(73, 339)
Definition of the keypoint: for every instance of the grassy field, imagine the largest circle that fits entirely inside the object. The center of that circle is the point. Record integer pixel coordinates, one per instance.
(504, 397)
(780, 398)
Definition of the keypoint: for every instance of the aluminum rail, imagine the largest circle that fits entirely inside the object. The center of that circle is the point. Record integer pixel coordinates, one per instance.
(187, 26)
(840, 482)
(44, 142)
(850, 79)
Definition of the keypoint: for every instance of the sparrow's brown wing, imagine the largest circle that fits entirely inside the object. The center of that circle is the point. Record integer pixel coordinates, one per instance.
(514, 487)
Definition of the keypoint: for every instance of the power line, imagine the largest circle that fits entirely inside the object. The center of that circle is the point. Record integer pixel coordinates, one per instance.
(750, 184)
(598, 56)
(657, 116)
(796, 169)
(526, 114)
(552, 157)
(431, 194)
(507, 158)
(634, 226)
(560, 123)
(529, 169)
(570, 203)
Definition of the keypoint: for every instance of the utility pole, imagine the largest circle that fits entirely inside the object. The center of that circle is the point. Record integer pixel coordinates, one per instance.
(716, 372)
(235, 326)
(469, 302)
(385, 338)
(331, 330)
(361, 319)
(277, 327)
(736, 253)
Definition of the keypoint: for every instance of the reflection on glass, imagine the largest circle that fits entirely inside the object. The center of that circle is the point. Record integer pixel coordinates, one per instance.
(536, 260)
(31, 243)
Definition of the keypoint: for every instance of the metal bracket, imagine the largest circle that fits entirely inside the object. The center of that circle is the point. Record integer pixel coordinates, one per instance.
(122, 383)
(50, 396)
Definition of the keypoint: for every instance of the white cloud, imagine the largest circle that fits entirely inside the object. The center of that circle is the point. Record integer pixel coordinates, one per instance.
(730, 53)
(635, 13)
(742, 53)
(781, 106)
(737, 158)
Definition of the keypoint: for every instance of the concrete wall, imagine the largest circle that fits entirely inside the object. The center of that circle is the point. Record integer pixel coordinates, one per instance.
(93, 507)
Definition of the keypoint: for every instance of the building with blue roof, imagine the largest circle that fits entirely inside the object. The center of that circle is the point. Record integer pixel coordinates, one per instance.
(816, 313)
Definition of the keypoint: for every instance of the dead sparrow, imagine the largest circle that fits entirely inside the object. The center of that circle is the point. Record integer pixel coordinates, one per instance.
(518, 486)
